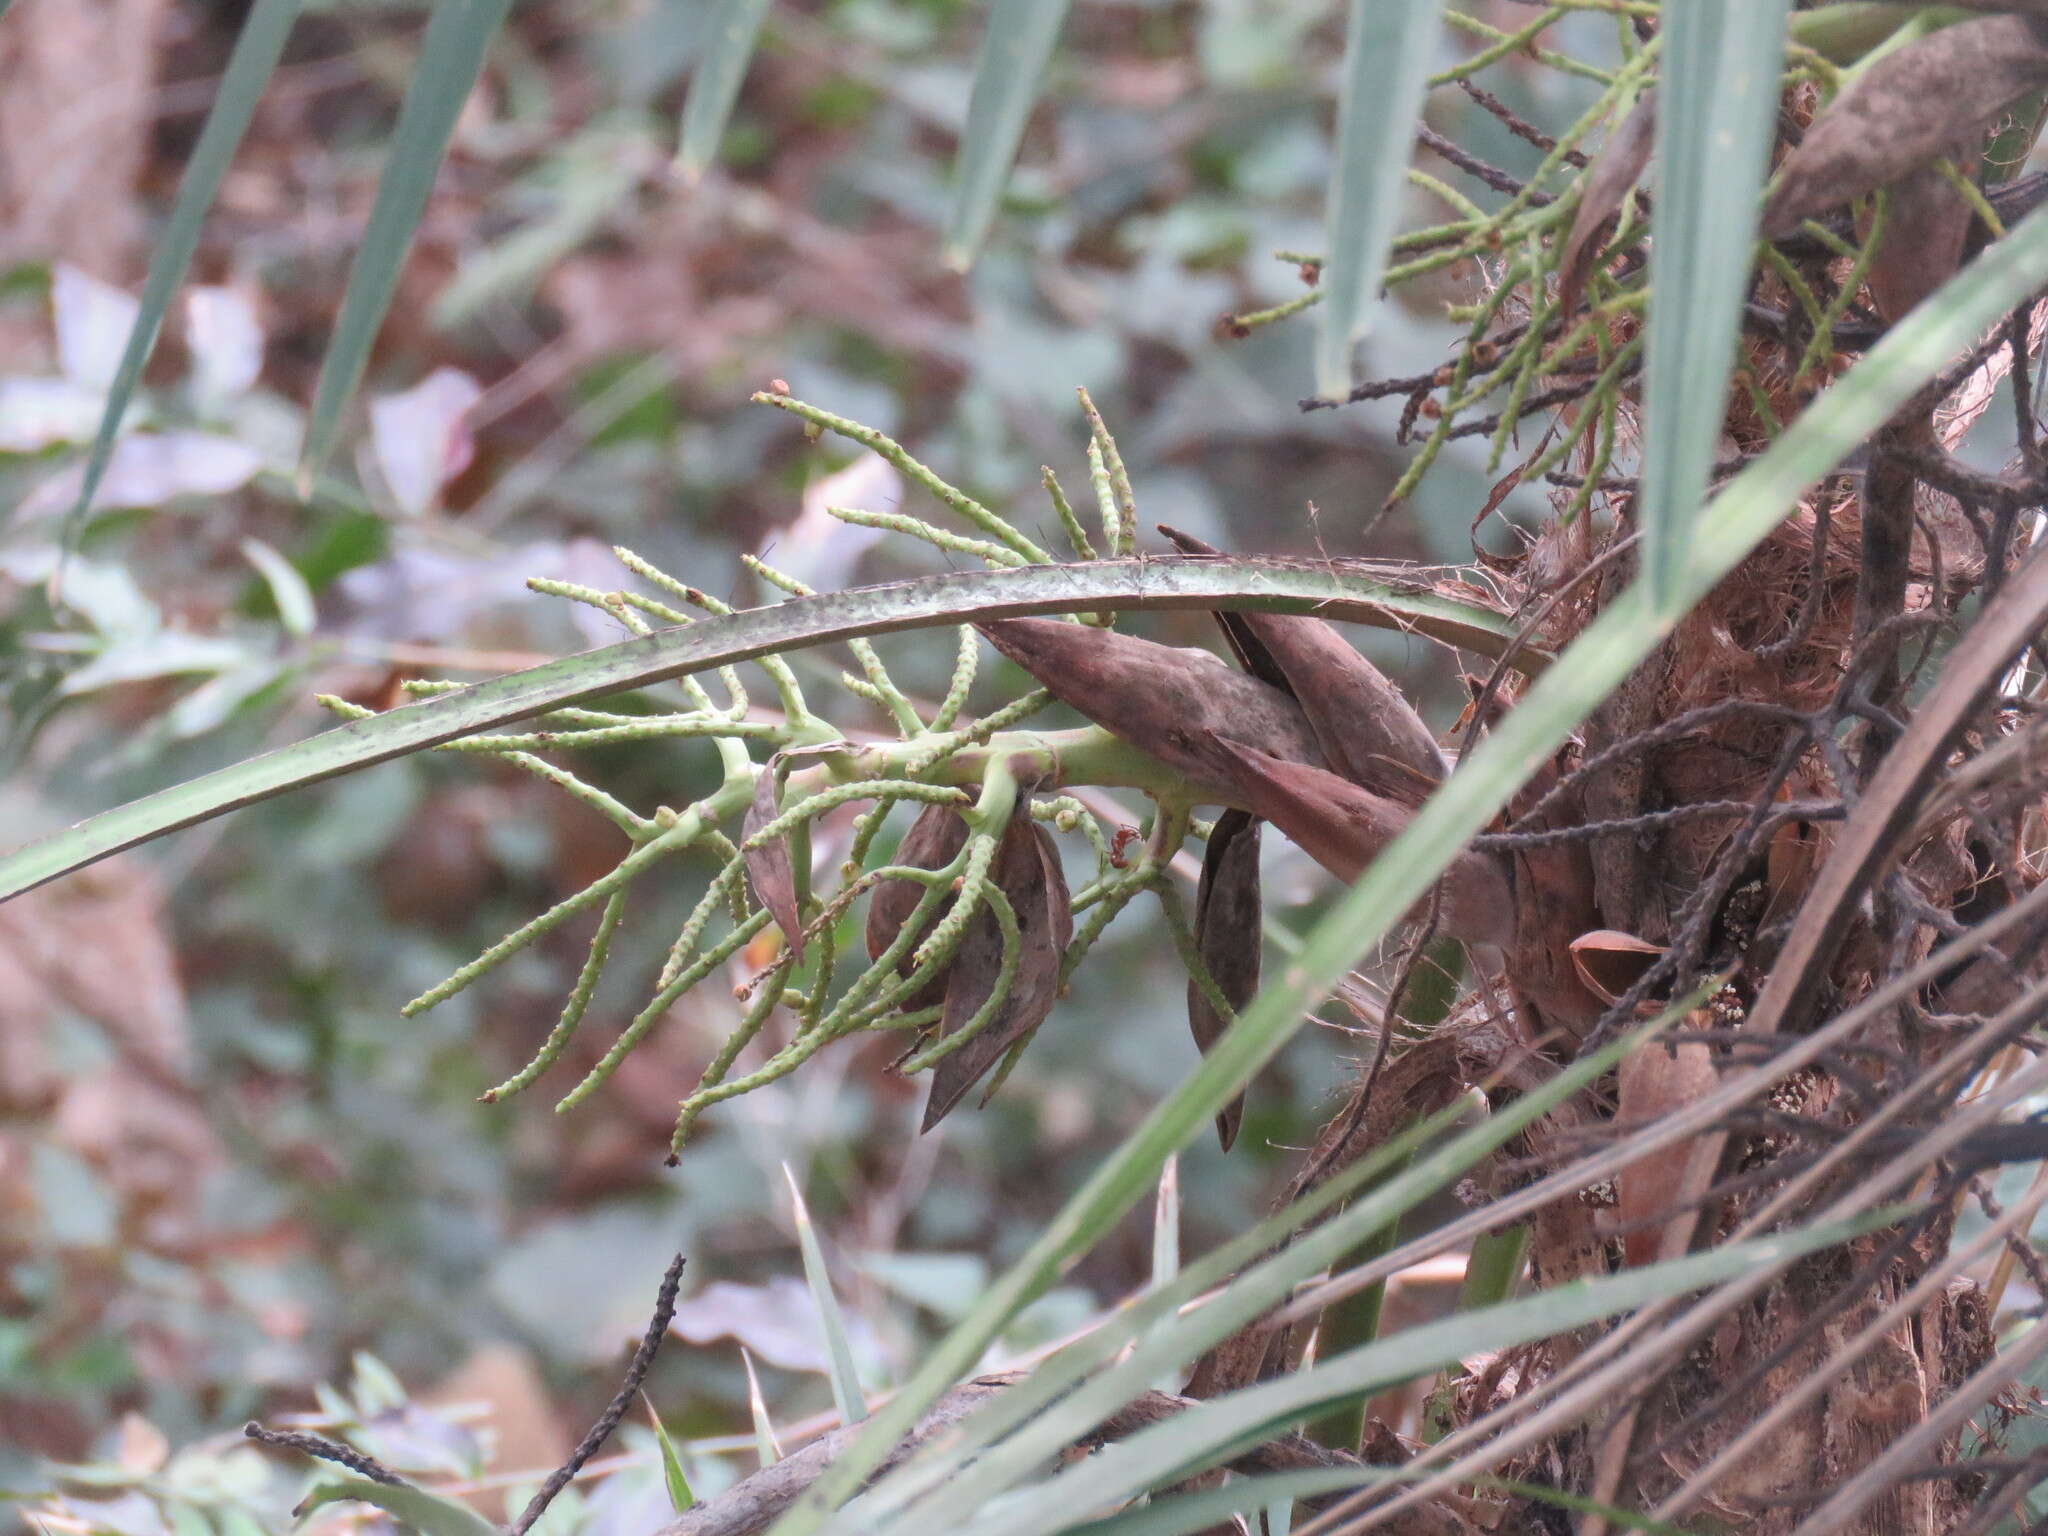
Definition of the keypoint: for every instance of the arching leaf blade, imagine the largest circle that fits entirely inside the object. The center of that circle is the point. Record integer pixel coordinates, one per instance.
(1367, 594)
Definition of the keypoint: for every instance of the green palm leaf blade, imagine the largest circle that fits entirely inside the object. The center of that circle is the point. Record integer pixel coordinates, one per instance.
(1014, 53)
(451, 58)
(1717, 105)
(715, 86)
(258, 47)
(1386, 61)
(1276, 585)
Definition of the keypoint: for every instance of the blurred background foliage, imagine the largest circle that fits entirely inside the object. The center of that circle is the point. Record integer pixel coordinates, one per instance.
(228, 1171)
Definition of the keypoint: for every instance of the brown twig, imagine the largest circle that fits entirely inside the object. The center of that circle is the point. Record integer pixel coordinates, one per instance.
(1656, 821)
(1526, 131)
(615, 1410)
(1491, 175)
(358, 1462)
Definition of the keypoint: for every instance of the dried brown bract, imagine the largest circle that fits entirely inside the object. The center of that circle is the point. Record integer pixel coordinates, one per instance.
(1228, 937)
(1929, 99)
(1344, 828)
(1365, 728)
(770, 868)
(1614, 171)
(933, 841)
(1027, 871)
(1171, 703)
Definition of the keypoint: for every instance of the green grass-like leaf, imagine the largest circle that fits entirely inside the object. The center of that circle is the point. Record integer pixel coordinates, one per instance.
(767, 1444)
(1717, 108)
(1004, 1443)
(1014, 53)
(677, 1485)
(847, 1395)
(1205, 1435)
(258, 47)
(1166, 1225)
(451, 57)
(1324, 587)
(1212, 1508)
(1386, 61)
(715, 87)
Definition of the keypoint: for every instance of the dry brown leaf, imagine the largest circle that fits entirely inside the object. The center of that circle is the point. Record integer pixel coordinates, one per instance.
(1926, 221)
(933, 841)
(1244, 645)
(1366, 728)
(1930, 98)
(1027, 870)
(1609, 962)
(1653, 1082)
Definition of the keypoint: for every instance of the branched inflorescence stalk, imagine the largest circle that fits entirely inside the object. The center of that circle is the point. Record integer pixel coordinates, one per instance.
(792, 994)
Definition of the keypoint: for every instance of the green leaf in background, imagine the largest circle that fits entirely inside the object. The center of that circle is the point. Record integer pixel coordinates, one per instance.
(258, 47)
(427, 1513)
(1747, 509)
(1014, 53)
(767, 1445)
(1166, 1225)
(375, 1386)
(288, 590)
(680, 1497)
(1386, 60)
(846, 1390)
(451, 58)
(1716, 111)
(716, 84)
(1279, 585)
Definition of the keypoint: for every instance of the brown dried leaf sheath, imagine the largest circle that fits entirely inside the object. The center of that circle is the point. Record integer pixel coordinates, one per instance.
(1027, 868)
(1344, 828)
(933, 841)
(1926, 224)
(769, 867)
(1926, 100)
(1228, 919)
(1366, 729)
(1171, 703)
(1658, 1080)
(1244, 645)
